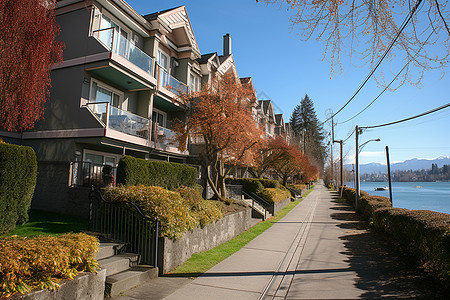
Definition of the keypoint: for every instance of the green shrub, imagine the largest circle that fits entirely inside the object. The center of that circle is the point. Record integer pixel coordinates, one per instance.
(299, 186)
(18, 171)
(269, 183)
(425, 234)
(249, 185)
(175, 213)
(135, 171)
(41, 262)
(273, 195)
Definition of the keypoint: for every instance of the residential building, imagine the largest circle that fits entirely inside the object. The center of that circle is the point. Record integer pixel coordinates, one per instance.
(116, 92)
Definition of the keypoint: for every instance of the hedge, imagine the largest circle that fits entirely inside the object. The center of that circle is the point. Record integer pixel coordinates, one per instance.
(269, 183)
(18, 167)
(249, 185)
(424, 233)
(135, 171)
(274, 195)
(177, 211)
(41, 262)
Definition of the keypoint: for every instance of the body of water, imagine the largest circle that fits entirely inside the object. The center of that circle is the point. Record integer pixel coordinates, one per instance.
(414, 195)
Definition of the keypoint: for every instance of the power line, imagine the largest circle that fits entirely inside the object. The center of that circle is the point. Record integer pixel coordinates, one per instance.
(408, 119)
(392, 81)
(405, 22)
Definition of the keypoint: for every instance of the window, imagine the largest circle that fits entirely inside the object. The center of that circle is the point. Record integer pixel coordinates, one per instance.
(194, 83)
(159, 117)
(102, 93)
(101, 158)
(120, 34)
(163, 60)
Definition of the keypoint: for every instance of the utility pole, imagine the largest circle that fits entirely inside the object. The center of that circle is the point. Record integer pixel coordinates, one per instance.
(332, 141)
(389, 174)
(356, 166)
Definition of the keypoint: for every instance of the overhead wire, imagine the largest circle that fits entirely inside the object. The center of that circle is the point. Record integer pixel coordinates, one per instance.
(392, 81)
(380, 60)
(407, 119)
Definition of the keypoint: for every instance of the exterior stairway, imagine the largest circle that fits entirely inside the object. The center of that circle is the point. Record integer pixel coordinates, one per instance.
(258, 208)
(123, 271)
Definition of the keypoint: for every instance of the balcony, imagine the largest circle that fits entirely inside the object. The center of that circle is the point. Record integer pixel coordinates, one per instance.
(170, 83)
(128, 66)
(165, 136)
(120, 120)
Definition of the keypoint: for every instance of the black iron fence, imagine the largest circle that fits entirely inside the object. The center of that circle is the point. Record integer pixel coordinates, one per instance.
(123, 221)
(85, 173)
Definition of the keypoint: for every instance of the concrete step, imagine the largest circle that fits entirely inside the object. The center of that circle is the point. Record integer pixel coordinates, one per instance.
(123, 281)
(119, 263)
(108, 249)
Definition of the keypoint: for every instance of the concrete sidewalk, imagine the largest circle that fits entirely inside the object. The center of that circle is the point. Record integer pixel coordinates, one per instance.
(318, 251)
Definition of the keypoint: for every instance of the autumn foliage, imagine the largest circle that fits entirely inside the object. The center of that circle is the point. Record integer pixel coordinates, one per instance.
(285, 160)
(220, 123)
(27, 50)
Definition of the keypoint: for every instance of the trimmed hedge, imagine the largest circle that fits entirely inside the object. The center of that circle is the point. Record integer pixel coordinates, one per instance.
(269, 183)
(177, 214)
(135, 171)
(18, 171)
(274, 195)
(424, 233)
(41, 262)
(249, 185)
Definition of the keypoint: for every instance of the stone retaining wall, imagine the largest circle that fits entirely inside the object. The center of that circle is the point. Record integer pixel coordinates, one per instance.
(86, 286)
(277, 206)
(172, 253)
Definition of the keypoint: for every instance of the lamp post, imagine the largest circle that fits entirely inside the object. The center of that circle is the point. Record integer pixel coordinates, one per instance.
(358, 150)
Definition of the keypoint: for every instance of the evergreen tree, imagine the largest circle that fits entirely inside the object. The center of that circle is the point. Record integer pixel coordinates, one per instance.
(305, 124)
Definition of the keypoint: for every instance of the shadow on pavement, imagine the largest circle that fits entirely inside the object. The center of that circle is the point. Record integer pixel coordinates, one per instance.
(383, 270)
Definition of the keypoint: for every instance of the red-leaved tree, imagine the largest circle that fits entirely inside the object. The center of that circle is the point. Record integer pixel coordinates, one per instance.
(220, 123)
(27, 51)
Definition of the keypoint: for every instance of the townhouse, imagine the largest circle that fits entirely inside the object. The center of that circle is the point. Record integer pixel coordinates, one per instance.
(116, 93)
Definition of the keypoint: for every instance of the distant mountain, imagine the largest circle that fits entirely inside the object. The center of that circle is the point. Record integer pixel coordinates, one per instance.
(411, 164)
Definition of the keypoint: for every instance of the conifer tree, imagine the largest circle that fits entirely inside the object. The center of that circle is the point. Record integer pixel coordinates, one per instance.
(306, 126)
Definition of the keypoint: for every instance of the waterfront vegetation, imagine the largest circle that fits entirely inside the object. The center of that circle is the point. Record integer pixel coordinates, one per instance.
(424, 233)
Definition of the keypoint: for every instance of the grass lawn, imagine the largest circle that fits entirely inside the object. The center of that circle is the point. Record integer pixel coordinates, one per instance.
(46, 223)
(203, 261)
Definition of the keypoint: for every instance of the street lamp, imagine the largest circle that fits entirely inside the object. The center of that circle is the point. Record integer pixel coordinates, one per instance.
(365, 143)
(358, 148)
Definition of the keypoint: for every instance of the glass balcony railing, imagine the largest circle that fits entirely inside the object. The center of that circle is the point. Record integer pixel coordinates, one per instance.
(120, 120)
(165, 136)
(171, 83)
(121, 46)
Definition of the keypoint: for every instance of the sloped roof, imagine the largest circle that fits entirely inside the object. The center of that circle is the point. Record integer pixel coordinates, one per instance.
(279, 119)
(205, 57)
(176, 18)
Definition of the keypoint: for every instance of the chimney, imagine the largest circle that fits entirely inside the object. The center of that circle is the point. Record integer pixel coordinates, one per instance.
(226, 44)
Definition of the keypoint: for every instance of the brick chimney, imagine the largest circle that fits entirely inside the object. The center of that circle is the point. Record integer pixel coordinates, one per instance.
(226, 44)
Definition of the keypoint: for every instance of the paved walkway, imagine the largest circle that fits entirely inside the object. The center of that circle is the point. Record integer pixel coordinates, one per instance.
(318, 251)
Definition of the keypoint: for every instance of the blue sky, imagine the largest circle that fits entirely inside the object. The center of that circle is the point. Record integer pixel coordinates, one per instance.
(284, 69)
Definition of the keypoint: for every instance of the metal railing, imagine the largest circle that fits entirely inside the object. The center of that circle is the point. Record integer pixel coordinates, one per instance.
(124, 221)
(87, 174)
(169, 82)
(123, 47)
(120, 120)
(294, 192)
(259, 200)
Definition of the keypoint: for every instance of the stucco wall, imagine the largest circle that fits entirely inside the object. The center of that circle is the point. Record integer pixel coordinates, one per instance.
(53, 194)
(172, 253)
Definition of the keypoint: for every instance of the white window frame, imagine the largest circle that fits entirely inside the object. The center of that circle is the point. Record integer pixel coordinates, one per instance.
(159, 53)
(116, 157)
(195, 86)
(117, 22)
(164, 114)
(106, 87)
